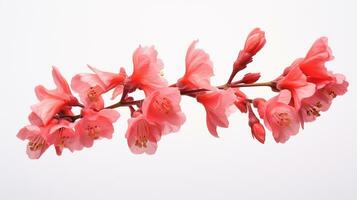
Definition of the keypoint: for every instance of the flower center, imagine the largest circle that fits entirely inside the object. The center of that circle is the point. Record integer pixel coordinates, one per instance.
(313, 109)
(332, 94)
(93, 132)
(37, 143)
(62, 138)
(163, 105)
(92, 94)
(282, 119)
(141, 141)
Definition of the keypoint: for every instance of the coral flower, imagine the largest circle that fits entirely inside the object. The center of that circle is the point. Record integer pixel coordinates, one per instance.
(36, 134)
(281, 118)
(142, 135)
(162, 107)
(313, 65)
(95, 125)
(90, 87)
(295, 81)
(53, 101)
(37, 144)
(147, 73)
(199, 70)
(322, 99)
(219, 105)
(62, 135)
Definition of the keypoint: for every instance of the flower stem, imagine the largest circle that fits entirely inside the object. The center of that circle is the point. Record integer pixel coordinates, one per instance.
(123, 103)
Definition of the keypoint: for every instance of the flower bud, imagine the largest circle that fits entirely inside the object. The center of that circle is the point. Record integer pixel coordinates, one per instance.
(258, 132)
(255, 41)
(250, 78)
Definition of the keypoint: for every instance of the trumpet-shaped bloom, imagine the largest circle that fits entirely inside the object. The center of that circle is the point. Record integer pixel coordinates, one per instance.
(53, 101)
(322, 99)
(313, 65)
(281, 118)
(218, 105)
(36, 136)
(95, 125)
(62, 135)
(142, 135)
(90, 87)
(199, 70)
(147, 74)
(162, 107)
(296, 82)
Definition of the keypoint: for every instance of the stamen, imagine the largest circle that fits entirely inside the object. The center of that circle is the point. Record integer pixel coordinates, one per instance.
(37, 143)
(282, 119)
(313, 109)
(92, 94)
(93, 132)
(332, 94)
(163, 104)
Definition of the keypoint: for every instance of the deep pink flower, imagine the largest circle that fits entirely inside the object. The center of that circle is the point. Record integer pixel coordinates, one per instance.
(219, 105)
(281, 118)
(147, 70)
(162, 107)
(295, 81)
(95, 125)
(142, 135)
(313, 65)
(53, 101)
(255, 41)
(90, 87)
(199, 70)
(322, 99)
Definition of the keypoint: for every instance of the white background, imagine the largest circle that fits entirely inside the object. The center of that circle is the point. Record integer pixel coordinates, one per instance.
(319, 163)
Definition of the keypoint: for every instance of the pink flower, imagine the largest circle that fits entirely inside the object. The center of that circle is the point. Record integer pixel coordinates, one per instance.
(147, 70)
(142, 135)
(199, 70)
(53, 101)
(322, 99)
(254, 43)
(95, 125)
(90, 87)
(313, 65)
(36, 135)
(219, 105)
(296, 82)
(162, 107)
(62, 135)
(281, 118)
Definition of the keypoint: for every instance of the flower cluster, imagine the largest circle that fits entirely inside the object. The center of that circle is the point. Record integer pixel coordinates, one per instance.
(304, 90)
